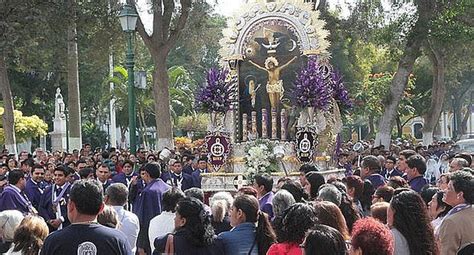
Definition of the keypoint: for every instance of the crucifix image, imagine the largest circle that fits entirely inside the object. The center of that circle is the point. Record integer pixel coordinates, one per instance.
(274, 87)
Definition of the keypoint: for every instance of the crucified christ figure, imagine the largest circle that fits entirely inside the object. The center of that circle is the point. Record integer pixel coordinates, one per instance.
(275, 88)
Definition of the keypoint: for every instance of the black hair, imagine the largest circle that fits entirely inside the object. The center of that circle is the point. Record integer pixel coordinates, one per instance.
(105, 154)
(80, 161)
(265, 235)
(371, 162)
(366, 198)
(28, 162)
(153, 169)
(463, 181)
(294, 223)
(427, 193)
(128, 161)
(410, 217)
(316, 180)
(37, 166)
(196, 193)
(348, 210)
(87, 196)
(392, 159)
(441, 203)
(105, 165)
(63, 168)
(322, 239)
(417, 161)
(306, 168)
(171, 198)
(266, 180)
(14, 176)
(296, 190)
(85, 172)
(197, 229)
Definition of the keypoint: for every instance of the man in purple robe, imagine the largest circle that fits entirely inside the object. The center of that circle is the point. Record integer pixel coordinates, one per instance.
(264, 184)
(415, 171)
(35, 185)
(148, 203)
(13, 196)
(53, 203)
(369, 168)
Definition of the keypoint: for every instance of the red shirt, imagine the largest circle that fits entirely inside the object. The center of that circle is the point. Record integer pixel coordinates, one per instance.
(285, 248)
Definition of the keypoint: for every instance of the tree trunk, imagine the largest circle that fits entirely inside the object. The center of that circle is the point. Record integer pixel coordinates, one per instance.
(8, 116)
(438, 92)
(468, 114)
(399, 126)
(164, 132)
(371, 128)
(161, 41)
(405, 67)
(74, 105)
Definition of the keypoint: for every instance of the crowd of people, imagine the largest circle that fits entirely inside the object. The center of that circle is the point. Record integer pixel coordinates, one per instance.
(402, 200)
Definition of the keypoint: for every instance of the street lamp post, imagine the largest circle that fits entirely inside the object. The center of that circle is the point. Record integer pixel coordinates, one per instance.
(455, 131)
(107, 123)
(128, 19)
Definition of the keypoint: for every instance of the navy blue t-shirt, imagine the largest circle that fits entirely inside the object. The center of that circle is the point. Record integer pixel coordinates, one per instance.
(86, 239)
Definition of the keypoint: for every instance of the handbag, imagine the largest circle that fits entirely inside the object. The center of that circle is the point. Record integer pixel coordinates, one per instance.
(169, 247)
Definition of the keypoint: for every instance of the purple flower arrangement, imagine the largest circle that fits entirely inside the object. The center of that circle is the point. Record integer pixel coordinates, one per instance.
(310, 88)
(340, 92)
(216, 94)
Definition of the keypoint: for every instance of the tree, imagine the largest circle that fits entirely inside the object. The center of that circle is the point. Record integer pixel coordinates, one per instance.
(445, 30)
(411, 52)
(163, 38)
(26, 127)
(17, 37)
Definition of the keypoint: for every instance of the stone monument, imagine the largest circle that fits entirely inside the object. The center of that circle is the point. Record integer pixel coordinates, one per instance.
(58, 136)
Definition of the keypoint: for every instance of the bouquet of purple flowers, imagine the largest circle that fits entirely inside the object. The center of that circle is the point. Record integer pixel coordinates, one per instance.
(340, 92)
(310, 88)
(216, 94)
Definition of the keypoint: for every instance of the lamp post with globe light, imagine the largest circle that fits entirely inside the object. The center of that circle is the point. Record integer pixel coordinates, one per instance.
(128, 19)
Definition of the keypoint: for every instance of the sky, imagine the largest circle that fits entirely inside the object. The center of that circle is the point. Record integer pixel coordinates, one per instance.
(228, 7)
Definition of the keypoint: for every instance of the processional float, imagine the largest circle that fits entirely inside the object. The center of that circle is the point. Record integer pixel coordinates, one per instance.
(279, 100)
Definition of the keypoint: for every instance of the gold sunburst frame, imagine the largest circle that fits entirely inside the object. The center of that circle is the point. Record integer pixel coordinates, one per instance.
(305, 21)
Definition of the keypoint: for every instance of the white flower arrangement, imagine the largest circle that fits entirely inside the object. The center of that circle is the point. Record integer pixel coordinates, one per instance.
(260, 159)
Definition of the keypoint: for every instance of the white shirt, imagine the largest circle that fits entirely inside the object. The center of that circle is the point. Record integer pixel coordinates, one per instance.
(129, 225)
(159, 226)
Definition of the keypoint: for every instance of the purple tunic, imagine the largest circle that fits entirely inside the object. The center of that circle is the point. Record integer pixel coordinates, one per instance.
(46, 205)
(146, 206)
(33, 191)
(265, 204)
(418, 183)
(377, 180)
(11, 199)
